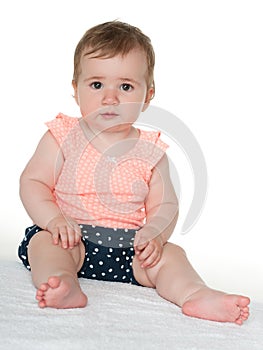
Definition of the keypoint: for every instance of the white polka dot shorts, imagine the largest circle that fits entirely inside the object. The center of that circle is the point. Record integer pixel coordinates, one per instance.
(108, 253)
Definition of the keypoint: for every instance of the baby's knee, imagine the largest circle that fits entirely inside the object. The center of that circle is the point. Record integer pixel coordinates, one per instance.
(40, 238)
(175, 249)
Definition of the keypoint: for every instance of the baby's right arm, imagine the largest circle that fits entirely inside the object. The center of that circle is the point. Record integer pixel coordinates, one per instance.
(37, 183)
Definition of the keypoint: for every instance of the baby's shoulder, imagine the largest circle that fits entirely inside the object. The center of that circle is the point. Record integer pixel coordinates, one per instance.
(154, 137)
(64, 120)
(62, 125)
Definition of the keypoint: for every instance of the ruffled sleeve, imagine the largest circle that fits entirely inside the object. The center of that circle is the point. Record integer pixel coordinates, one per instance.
(61, 126)
(151, 146)
(155, 138)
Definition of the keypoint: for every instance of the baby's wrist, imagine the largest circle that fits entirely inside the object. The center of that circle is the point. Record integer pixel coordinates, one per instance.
(160, 238)
(59, 215)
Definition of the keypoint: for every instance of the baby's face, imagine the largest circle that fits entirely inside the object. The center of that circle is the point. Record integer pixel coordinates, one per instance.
(112, 91)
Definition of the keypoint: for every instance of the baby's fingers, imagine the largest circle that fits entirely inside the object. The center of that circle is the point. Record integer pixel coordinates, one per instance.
(152, 260)
(78, 236)
(74, 235)
(63, 232)
(71, 237)
(139, 248)
(76, 232)
(55, 235)
(146, 253)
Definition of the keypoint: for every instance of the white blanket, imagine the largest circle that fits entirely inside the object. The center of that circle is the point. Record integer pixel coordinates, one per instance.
(118, 316)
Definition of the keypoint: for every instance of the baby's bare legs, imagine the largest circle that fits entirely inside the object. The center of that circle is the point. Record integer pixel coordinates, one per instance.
(54, 272)
(176, 281)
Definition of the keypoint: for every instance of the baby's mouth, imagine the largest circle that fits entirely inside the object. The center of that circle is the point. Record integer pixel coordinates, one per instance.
(109, 115)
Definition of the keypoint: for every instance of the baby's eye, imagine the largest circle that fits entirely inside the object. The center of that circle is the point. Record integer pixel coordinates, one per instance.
(96, 85)
(126, 87)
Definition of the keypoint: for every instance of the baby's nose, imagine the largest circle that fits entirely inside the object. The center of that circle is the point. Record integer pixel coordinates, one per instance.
(110, 97)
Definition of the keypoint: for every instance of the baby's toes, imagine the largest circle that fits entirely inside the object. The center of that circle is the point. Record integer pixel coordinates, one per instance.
(239, 321)
(42, 303)
(41, 291)
(244, 315)
(44, 287)
(245, 310)
(39, 294)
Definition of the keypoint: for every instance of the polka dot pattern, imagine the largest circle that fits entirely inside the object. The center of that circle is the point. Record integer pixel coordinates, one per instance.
(101, 262)
(80, 191)
(105, 259)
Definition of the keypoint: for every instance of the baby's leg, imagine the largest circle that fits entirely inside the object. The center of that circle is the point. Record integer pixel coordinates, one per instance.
(54, 272)
(177, 281)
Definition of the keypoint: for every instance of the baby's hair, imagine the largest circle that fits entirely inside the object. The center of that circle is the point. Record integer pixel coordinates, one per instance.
(114, 38)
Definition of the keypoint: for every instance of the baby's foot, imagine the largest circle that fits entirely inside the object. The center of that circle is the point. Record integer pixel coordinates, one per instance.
(61, 292)
(213, 305)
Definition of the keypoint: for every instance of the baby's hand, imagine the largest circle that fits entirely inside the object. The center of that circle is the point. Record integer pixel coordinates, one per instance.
(66, 230)
(148, 253)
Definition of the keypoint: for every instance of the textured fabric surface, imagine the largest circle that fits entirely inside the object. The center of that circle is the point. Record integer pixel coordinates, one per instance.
(101, 189)
(118, 316)
(108, 253)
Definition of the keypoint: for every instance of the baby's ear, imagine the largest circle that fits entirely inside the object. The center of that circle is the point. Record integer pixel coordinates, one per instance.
(148, 98)
(75, 87)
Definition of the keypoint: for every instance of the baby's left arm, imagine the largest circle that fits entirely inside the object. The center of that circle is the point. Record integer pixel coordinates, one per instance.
(161, 216)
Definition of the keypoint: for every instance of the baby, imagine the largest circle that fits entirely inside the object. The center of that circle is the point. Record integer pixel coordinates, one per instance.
(99, 192)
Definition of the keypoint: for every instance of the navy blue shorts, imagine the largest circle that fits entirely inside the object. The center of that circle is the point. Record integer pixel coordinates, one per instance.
(108, 253)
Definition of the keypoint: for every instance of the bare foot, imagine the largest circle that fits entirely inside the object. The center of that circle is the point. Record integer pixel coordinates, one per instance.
(61, 292)
(213, 305)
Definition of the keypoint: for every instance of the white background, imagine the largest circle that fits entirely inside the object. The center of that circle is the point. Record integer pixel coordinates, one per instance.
(208, 73)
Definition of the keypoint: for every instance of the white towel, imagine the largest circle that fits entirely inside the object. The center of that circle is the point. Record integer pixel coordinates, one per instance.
(118, 316)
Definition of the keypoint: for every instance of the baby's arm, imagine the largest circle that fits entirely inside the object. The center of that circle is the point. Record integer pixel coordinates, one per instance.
(161, 216)
(37, 183)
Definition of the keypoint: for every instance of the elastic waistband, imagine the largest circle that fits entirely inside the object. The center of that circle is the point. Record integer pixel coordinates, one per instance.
(108, 237)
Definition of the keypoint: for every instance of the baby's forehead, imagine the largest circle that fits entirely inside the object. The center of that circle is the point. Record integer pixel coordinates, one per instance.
(110, 52)
(132, 65)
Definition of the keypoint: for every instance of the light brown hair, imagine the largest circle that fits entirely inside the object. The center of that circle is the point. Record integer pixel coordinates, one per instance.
(114, 38)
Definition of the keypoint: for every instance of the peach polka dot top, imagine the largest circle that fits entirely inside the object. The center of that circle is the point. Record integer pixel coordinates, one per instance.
(101, 190)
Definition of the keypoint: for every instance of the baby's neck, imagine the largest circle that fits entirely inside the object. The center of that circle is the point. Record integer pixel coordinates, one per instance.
(113, 142)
